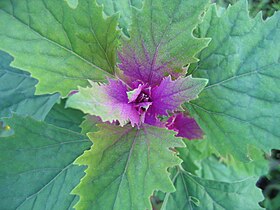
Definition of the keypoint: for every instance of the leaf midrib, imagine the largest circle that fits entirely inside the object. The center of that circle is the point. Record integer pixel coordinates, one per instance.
(126, 166)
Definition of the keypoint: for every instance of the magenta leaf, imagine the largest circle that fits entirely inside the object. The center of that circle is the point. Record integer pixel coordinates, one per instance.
(143, 67)
(117, 101)
(185, 126)
(170, 95)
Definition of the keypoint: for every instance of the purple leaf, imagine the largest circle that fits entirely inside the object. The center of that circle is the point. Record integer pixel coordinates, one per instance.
(119, 103)
(143, 66)
(185, 126)
(143, 104)
(169, 95)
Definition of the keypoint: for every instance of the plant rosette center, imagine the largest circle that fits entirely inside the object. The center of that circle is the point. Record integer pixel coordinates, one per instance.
(141, 99)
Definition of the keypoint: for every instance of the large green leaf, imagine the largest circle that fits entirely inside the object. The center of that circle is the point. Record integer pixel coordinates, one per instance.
(193, 193)
(60, 46)
(216, 168)
(125, 166)
(36, 165)
(161, 33)
(240, 105)
(17, 92)
(123, 7)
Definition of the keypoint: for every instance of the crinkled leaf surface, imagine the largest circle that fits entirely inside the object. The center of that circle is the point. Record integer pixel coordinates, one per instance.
(193, 193)
(161, 39)
(60, 46)
(17, 92)
(240, 105)
(65, 117)
(123, 7)
(125, 166)
(36, 165)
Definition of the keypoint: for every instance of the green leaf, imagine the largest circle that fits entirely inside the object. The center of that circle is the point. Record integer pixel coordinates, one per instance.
(194, 153)
(60, 46)
(17, 92)
(199, 158)
(216, 168)
(36, 165)
(125, 166)
(90, 124)
(65, 117)
(162, 31)
(72, 3)
(240, 105)
(123, 7)
(193, 193)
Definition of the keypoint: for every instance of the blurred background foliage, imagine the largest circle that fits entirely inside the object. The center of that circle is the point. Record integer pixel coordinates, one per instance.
(268, 7)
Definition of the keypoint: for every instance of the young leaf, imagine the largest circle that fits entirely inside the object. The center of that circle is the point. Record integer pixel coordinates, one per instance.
(125, 166)
(60, 46)
(36, 165)
(113, 101)
(185, 126)
(240, 105)
(161, 39)
(170, 95)
(194, 193)
(110, 102)
(17, 92)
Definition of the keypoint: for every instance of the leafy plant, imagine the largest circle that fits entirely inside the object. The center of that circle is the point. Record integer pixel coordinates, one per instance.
(136, 104)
